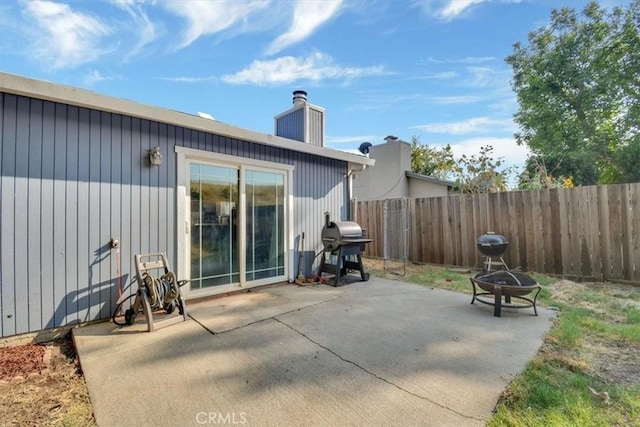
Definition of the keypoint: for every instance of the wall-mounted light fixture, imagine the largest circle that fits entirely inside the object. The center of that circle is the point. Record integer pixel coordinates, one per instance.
(155, 156)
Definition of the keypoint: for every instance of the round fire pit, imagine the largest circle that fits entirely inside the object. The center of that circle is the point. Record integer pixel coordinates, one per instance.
(508, 284)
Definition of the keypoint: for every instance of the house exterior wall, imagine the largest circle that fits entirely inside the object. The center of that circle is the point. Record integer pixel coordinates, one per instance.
(421, 189)
(71, 178)
(385, 180)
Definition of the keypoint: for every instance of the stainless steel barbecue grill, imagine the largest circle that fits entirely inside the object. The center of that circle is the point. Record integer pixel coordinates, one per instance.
(343, 240)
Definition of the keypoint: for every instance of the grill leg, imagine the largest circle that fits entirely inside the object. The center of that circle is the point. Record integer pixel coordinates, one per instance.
(364, 276)
(336, 278)
(321, 266)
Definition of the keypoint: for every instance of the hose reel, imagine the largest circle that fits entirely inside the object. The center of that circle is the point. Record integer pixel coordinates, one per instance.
(163, 294)
(155, 294)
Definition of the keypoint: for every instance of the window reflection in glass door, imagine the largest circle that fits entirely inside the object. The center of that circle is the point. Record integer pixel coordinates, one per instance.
(214, 225)
(265, 224)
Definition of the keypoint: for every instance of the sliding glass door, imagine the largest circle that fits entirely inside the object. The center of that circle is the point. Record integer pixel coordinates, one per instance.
(236, 222)
(265, 224)
(214, 225)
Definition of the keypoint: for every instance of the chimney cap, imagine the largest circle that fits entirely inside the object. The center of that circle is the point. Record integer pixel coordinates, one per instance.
(390, 138)
(299, 97)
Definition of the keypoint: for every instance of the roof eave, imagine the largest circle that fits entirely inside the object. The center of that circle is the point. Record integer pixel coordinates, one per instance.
(78, 97)
(431, 179)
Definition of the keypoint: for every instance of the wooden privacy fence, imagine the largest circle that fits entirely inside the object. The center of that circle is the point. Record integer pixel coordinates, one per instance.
(589, 232)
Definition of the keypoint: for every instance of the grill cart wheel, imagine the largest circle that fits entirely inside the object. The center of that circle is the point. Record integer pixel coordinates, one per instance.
(129, 317)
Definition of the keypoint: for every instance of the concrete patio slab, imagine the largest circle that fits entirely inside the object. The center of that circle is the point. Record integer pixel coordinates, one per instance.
(225, 314)
(374, 353)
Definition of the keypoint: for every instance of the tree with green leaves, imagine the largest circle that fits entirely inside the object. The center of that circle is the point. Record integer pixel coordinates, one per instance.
(536, 176)
(481, 173)
(475, 173)
(431, 161)
(552, 170)
(577, 84)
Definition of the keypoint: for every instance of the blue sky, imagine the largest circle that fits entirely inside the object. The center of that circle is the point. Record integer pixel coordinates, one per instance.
(428, 68)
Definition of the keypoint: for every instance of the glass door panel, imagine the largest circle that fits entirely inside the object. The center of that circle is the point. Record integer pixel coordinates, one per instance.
(214, 225)
(265, 224)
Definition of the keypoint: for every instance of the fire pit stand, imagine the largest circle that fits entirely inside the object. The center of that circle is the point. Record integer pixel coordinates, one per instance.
(507, 284)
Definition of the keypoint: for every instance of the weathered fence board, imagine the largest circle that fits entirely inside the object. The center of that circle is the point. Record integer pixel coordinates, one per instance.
(591, 232)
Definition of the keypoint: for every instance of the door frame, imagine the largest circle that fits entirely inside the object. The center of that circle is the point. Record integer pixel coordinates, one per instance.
(186, 156)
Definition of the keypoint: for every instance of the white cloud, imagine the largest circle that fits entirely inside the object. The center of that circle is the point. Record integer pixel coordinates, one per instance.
(211, 17)
(146, 30)
(448, 10)
(488, 76)
(307, 17)
(445, 75)
(64, 38)
(190, 79)
(456, 7)
(288, 69)
(464, 60)
(96, 76)
(473, 125)
(383, 100)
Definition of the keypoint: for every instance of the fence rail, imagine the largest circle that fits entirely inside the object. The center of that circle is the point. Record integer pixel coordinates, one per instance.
(590, 232)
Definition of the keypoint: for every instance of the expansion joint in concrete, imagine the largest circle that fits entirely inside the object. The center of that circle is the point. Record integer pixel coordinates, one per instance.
(373, 374)
(212, 332)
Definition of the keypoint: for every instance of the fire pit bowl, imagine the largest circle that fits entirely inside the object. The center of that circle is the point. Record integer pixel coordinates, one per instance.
(508, 284)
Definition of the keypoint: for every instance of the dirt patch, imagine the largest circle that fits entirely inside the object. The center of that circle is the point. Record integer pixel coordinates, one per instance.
(614, 363)
(41, 384)
(604, 299)
(395, 270)
(21, 361)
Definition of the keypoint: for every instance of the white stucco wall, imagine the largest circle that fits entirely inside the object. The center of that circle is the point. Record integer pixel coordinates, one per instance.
(422, 189)
(385, 180)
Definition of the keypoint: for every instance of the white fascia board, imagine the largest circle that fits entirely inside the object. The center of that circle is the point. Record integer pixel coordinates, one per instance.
(70, 95)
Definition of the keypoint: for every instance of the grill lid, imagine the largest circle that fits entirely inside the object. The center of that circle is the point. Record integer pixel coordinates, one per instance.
(492, 244)
(344, 232)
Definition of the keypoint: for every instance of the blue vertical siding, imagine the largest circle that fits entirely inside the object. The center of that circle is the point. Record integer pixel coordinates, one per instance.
(291, 126)
(72, 178)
